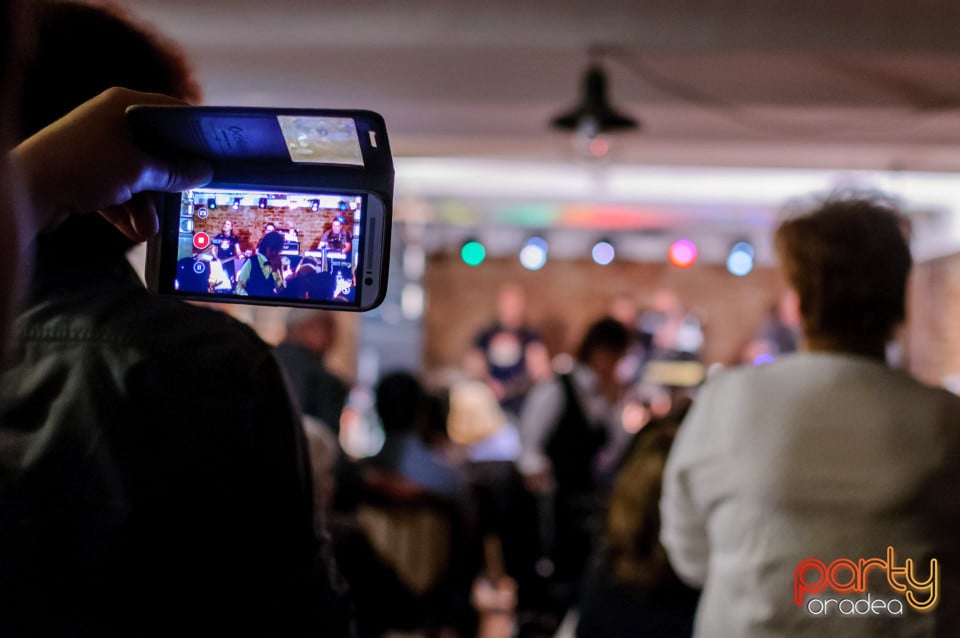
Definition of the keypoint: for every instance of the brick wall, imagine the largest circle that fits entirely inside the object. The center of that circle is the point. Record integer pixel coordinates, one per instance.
(932, 338)
(564, 297)
(248, 222)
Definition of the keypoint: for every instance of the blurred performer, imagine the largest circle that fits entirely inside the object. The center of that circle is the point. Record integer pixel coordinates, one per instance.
(226, 248)
(782, 328)
(668, 331)
(268, 228)
(262, 275)
(509, 354)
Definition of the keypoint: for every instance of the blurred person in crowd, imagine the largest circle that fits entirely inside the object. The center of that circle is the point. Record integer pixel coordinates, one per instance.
(826, 454)
(415, 505)
(576, 414)
(492, 445)
(261, 275)
(509, 354)
(477, 422)
(319, 392)
(624, 308)
(405, 408)
(379, 599)
(571, 436)
(631, 589)
(147, 445)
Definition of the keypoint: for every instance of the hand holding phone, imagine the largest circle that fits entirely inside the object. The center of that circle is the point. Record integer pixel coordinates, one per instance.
(298, 212)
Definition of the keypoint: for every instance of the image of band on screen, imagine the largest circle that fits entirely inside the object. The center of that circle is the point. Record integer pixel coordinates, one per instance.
(269, 245)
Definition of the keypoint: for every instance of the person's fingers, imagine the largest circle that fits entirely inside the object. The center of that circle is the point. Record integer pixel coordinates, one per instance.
(173, 175)
(117, 216)
(137, 219)
(143, 215)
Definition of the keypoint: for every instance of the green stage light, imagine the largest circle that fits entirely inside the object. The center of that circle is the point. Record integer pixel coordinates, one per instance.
(473, 253)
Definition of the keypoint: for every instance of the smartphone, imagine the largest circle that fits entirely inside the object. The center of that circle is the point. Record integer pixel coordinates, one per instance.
(298, 213)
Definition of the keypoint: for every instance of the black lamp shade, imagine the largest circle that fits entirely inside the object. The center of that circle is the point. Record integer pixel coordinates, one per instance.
(594, 115)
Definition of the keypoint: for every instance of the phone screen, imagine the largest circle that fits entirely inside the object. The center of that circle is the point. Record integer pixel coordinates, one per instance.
(270, 245)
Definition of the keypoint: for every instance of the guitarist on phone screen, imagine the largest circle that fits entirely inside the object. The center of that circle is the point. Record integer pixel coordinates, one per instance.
(226, 247)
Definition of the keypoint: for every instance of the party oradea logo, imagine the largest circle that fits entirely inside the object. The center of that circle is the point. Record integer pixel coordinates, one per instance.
(840, 587)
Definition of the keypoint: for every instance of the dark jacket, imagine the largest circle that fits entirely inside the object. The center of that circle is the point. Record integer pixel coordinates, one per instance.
(153, 475)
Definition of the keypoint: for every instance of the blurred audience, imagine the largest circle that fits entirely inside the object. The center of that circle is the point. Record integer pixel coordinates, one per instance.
(409, 452)
(415, 508)
(492, 445)
(824, 454)
(319, 392)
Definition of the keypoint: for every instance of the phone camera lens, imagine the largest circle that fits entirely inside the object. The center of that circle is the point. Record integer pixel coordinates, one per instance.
(368, 281)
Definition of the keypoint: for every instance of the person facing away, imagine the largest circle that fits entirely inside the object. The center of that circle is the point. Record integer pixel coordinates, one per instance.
(85, 160)
(630, 589)
(153, 473)
(319, 392)
(825, 455)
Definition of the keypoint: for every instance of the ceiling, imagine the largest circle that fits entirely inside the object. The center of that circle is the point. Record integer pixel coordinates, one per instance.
(827, 85)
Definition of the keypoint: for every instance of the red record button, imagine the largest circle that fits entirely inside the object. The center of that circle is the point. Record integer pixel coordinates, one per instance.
(201, 240)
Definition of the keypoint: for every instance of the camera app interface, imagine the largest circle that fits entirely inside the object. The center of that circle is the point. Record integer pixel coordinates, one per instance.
(269, 245)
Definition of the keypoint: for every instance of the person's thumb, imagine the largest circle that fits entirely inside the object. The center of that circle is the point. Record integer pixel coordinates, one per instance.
(174, 175)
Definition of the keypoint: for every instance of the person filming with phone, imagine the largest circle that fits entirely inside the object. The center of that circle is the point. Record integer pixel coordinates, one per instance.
(153, 468)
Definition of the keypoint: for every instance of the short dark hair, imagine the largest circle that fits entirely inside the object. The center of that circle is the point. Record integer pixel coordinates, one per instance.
(271, 241)
(848, 259)
(399, 401)
(604, 334)
(83, 49)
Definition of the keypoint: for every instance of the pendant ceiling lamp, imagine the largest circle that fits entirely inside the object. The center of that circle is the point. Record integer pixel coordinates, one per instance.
(594, 115)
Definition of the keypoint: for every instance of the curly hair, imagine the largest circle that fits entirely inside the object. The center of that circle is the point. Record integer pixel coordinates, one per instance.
(848, 259)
